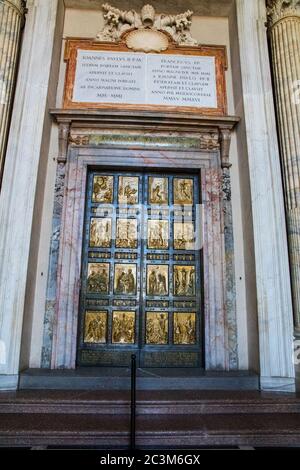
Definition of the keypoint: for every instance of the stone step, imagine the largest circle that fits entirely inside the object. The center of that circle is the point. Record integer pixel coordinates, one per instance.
(118, 378)
(179, 402)
(157, 431)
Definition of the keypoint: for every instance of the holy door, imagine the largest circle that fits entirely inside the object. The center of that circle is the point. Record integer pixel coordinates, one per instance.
(141, 270)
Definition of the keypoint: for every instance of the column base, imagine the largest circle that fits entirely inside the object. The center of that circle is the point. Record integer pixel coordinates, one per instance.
(9, 382)
(278, 384)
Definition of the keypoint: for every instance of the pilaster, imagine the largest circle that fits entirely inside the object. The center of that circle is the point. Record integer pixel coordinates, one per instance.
(274, 302)
(27, 140)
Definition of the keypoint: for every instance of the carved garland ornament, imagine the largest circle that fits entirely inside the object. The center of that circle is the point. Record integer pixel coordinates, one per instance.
(209, 141)
(279, 9)
(145, 29)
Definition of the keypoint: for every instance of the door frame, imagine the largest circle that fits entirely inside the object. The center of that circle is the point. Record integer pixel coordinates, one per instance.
(80, 158)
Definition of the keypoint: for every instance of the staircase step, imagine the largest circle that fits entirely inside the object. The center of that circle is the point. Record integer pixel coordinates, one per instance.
(160, 431)
(93, 378)
(114, 402)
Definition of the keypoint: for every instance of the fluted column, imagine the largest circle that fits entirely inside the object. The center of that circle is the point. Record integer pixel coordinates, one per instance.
(284, 32)
(11, 21)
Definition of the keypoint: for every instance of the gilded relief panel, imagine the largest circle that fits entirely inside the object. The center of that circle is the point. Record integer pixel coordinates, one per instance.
(184, 236)
(184, 328)
(123, 328)
(125, 279)
(103, 189)
(183, 191)
(156, 328)
(128, 191)
(157, 279)
(95, 327)
(98, 278)
(184, 281)
(100, 233)
(127, 233)
(158, 234)
(158, 190)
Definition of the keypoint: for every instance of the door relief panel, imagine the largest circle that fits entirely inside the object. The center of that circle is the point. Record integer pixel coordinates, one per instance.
(141, 272)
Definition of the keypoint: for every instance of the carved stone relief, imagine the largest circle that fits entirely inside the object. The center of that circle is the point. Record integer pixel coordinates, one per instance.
(118, 22)
(280, 9)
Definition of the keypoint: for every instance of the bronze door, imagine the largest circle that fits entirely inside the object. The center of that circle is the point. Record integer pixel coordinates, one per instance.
(141, 282)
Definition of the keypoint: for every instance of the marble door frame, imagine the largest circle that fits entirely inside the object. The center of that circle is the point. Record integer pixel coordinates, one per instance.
(64, 346)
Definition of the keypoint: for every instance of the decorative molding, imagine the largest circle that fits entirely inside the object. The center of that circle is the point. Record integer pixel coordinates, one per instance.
(75, 128)
(225, 141)
(80, 139)
(118, 22)
(208, 141)
(63, 139)
(76, 49)
(143, 119)
(278, 10)
(147, 40)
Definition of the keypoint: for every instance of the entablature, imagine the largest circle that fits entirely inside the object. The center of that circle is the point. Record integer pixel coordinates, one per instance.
(77, 126)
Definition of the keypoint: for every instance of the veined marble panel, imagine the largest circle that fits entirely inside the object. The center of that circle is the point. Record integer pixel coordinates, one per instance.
(62, 316)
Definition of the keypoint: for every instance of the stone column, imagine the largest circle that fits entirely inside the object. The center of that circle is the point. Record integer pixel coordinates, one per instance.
(11, 22)
(274, 301)
(28, 146)
(284, 32)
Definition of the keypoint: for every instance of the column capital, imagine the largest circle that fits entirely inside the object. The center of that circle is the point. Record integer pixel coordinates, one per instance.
(278, 10)
(18, 5)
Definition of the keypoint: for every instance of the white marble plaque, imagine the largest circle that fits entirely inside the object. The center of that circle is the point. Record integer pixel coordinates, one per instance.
(178, 80)
(110, 77)
(145, 79)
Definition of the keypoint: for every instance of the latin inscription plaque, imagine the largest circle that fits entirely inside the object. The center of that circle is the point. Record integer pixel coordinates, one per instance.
(150, 79)
(112, 76)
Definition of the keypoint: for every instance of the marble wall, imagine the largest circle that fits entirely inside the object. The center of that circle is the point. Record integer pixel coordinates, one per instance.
(209, 31)
(21, 292)
(60, 333)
